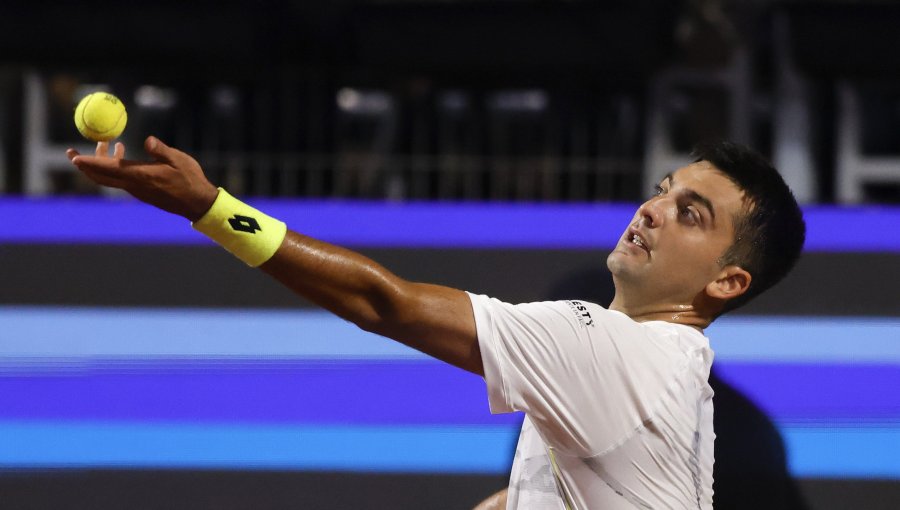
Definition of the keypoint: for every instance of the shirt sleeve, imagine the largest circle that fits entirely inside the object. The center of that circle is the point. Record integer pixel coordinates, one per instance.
(586, 376)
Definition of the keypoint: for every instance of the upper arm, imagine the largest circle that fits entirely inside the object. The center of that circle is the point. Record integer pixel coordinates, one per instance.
(435, 320)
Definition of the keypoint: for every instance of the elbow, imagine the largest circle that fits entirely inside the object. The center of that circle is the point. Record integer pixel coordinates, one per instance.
(385, 312)
(370, 323)
(383, 323)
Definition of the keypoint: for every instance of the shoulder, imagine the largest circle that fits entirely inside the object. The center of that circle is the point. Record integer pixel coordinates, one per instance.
(584, 313)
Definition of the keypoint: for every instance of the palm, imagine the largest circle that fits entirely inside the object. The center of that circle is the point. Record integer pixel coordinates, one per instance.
(173, 181)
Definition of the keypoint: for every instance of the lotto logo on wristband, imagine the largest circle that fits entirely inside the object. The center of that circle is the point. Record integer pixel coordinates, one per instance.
(266, 233)
(244, 224)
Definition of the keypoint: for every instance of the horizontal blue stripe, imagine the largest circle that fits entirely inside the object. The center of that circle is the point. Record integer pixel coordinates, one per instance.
(797, 369)
(411, 224)
(424, 392)
(811, 452)
(391, 449)
(411, 392)
(806, 339)
(354, 223)
(819, 393)
(73, 335)
(843, 452)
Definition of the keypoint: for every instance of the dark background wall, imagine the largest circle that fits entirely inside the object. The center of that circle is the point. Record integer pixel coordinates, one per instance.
(255, 89)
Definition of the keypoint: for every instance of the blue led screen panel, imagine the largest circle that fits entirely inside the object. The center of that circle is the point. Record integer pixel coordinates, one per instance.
(240, 385)
(375, 224)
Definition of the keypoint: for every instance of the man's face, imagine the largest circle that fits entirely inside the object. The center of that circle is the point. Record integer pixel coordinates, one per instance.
(670, 251)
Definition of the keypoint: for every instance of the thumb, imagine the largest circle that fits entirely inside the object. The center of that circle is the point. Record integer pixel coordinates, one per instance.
(160, 151)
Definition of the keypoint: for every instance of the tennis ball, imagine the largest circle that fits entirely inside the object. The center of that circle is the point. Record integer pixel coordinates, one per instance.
(100, 117)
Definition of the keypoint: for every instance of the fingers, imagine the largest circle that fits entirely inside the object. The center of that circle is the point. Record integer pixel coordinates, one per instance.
(160, 151)
(88, 166)
(109, 171)
(104, 179)
(102, 150)
(115, 167)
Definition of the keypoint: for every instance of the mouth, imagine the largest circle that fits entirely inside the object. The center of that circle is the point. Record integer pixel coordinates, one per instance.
(635, 239)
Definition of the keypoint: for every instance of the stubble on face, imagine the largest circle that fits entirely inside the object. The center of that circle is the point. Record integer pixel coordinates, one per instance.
(681, 234)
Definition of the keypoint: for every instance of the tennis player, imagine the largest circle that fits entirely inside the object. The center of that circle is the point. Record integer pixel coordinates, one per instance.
(618, 408)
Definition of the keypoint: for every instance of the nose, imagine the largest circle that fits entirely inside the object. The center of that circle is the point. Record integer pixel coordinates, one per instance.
(650, 213)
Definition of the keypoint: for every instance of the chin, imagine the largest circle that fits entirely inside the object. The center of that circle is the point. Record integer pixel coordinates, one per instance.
(617, 264)
(628, 271)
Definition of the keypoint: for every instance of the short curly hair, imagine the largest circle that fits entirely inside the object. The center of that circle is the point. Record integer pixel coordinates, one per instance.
(769, 232)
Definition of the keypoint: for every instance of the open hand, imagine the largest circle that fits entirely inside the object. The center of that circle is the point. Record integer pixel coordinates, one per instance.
(173, 181)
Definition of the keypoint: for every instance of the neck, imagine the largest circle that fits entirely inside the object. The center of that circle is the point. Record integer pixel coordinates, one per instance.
(686, 314)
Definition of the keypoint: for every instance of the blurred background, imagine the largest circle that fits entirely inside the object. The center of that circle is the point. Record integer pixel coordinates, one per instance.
(495, 146)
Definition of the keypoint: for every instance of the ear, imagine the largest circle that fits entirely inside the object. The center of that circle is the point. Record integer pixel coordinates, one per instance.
(730, 283)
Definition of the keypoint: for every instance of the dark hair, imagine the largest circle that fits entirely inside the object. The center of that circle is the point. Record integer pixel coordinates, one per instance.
(770, 231)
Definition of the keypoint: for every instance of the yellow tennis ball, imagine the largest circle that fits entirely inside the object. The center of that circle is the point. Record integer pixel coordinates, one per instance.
(100, 117)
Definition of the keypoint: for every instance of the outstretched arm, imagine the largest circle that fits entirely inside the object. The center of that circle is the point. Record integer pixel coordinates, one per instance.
(433, 319)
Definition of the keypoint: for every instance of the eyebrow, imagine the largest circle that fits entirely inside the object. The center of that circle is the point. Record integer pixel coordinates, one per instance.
(694, 196)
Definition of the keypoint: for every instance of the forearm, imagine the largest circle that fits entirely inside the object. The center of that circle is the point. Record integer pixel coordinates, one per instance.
(341, 281)
(433, 319)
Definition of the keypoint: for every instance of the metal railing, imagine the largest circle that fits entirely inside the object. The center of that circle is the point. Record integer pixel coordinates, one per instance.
(506, 145)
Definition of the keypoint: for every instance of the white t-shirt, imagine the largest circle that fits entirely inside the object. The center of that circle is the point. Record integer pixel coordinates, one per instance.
(618, 413)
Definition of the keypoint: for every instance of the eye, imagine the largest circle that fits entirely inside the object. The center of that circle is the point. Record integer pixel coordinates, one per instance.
(658, 190)
(689, 214)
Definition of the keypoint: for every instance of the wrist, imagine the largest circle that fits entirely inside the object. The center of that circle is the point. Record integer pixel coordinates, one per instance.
(247, 233)
(203, 203)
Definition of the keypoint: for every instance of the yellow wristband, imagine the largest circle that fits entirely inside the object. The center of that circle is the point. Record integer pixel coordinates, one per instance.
(242, 230)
